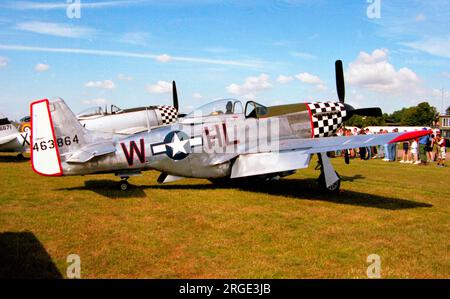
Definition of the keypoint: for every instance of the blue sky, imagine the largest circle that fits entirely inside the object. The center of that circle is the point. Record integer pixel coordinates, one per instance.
(125, 52)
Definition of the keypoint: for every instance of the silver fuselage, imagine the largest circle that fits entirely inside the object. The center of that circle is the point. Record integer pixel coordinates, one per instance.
(217, 140)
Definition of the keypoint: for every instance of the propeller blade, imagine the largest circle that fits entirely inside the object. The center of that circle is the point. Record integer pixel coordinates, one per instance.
(376, 112)
(174, 95)
(340, 83)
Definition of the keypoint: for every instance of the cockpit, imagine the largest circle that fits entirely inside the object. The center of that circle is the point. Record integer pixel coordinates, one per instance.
(218, 107)
(93, 112)
(229, 107)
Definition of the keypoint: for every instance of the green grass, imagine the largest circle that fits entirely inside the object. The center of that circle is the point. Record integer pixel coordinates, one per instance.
(194, 229)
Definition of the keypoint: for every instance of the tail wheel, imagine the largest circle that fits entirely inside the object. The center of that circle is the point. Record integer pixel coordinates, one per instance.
(333, 189)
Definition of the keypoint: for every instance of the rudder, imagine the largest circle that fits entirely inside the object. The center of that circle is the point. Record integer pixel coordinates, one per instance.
(55, 132)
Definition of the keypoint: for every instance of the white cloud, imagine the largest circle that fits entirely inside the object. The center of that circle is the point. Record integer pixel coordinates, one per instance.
(303, 55)
(41, 67)
(123, 77)
(437, 46)
(446, 74)
(56, 29)
(28, 5)
(284, 79)
(251, 86)
(438, 93)
(99, 101)
(218, 50)
(374, 72)
(420, 18)
(249, 64)
(197, 96)
(3, 61)
(310, 79)
(135, 38)
(163, 58)
(107, 84)
(160, 87)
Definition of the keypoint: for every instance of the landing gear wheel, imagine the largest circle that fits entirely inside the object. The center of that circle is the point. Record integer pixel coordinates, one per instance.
(20, 156)
(124, 185)
(333, 189)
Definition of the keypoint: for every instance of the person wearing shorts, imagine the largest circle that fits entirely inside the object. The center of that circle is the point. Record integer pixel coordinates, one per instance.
(405, 147)
(440, 143)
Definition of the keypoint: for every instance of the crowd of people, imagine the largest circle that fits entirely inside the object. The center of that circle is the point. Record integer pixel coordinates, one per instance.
(421, 151)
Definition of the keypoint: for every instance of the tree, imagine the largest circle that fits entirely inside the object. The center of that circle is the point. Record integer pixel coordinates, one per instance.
(420, 115)
(447, 111)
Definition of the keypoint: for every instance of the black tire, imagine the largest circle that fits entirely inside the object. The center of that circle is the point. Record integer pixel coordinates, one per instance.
(124, 185)
(333, 189)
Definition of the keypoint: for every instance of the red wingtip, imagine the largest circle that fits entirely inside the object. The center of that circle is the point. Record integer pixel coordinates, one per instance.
(411, 135)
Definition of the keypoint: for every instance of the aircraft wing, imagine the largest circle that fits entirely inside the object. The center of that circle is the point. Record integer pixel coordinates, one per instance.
(132, 131)
(328, 144)
(7, 139)
(294, 154)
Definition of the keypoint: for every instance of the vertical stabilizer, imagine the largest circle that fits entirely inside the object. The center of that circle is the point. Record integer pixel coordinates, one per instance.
(45, 159)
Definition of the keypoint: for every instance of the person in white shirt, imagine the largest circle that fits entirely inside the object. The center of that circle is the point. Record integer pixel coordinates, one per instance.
(414, 146)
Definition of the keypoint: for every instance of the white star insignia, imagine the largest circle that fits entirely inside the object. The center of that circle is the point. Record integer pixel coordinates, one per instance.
(177, 145)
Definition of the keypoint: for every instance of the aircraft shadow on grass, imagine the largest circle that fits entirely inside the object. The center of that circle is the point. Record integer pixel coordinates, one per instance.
(23, 256)
(13, 159)
(301, 189)
(108, 188)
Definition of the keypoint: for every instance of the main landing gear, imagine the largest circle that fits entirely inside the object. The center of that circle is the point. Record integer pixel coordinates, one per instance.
(124, 176)
(123, 184)
(329, 180)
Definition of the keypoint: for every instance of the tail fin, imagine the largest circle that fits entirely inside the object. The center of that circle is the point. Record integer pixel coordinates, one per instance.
(55, 131)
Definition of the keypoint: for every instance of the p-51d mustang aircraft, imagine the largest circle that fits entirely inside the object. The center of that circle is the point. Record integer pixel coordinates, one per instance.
(129, 121)
(224, 141)
(125, 121)
(116, 120)
(10, 138)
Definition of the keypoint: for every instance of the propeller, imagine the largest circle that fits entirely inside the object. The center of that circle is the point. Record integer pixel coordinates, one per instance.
(174, 95)
(340, 87)
(340, 83)
(375, 112)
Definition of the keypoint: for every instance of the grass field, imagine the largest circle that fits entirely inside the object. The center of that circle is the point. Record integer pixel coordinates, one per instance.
(191, 229)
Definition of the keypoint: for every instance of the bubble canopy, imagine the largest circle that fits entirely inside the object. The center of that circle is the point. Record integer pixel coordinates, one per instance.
(98, 111)
(218, 107)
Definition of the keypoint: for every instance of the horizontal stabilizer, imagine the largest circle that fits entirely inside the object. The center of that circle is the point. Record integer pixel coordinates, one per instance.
(87, 153)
